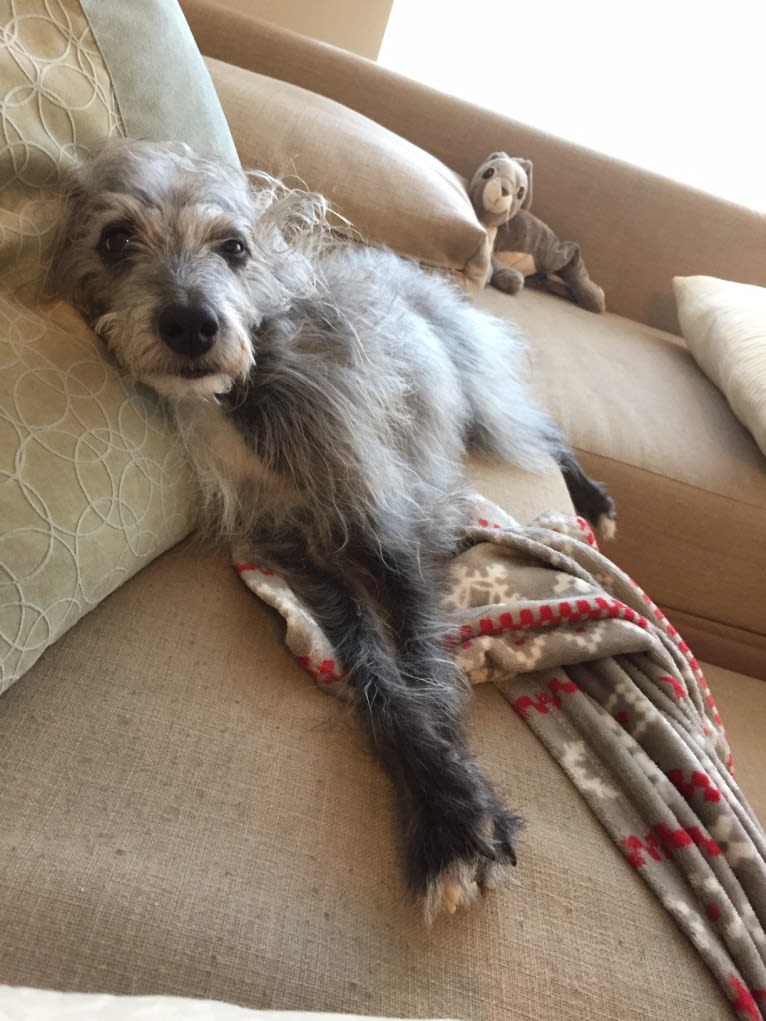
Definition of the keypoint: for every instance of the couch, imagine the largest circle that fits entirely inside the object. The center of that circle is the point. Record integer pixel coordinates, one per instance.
(183, 812)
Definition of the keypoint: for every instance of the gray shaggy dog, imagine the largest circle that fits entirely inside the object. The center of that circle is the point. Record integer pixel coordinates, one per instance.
(327, 393)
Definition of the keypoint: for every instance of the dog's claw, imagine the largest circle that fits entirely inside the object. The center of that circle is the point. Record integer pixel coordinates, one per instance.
(451, 897)
(447, 894)
(467, 858)
(606, 527)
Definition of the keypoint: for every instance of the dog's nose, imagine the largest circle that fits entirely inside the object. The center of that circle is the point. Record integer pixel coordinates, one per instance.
(188, 329)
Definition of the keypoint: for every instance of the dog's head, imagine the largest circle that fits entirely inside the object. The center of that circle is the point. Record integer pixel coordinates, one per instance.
(174, 260)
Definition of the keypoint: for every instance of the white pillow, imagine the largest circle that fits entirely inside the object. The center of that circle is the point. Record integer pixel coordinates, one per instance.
(24, 1004)
(724, 326)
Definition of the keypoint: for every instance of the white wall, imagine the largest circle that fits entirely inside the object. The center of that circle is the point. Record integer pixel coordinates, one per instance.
(356, 25)
(676, 86)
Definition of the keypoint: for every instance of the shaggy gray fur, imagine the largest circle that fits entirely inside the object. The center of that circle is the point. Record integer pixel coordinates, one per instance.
(327, 393)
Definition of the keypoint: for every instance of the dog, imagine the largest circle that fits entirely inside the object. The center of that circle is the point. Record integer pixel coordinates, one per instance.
(326, 393)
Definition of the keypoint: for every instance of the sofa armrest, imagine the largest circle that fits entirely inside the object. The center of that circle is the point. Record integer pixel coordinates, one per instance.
(637, 229)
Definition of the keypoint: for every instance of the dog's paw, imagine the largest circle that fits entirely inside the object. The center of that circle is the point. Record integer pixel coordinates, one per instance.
(605, 519)
(596, 504)
(606, 527)
(464, 859)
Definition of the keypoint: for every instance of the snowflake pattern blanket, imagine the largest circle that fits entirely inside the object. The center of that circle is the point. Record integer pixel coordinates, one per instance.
(611, 689)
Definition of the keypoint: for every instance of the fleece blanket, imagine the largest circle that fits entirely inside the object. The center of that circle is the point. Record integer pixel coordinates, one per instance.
(609, 686)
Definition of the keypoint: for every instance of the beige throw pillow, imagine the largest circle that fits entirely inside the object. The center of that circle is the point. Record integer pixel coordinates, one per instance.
(393, 192)
(93, 484)
(724, 326)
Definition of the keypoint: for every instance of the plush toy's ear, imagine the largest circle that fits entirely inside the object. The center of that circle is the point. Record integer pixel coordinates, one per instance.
(526, 166)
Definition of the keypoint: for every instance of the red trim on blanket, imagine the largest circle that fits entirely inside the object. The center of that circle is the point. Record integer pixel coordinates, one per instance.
(325, 672)
(744, 1000)
(716, 715)
(542, 702)
(590, 536)
(679, 691)
(242, 568)
(483, 523)
(698, 781)
(680, 643)
(713, 911)
(582, 524)
(661, 842)
(549, 614)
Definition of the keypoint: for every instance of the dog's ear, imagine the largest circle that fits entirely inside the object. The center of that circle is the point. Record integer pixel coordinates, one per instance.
(526, 166)
(69, 197)
(295, 213)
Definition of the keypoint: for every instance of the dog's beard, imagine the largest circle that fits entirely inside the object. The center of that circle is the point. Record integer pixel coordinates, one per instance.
(133, 341)
(178, 387)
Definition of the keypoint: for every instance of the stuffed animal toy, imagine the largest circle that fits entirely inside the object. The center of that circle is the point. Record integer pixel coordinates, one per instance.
(501, 194)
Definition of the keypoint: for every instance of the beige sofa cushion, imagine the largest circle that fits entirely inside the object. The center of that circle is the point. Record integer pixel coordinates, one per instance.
(92, 484)
(724, 326)
(188, 814)
(689, 480)
(391, 191)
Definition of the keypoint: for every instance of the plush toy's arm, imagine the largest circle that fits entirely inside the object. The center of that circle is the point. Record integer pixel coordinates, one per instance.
(506, 278)
(526, 233)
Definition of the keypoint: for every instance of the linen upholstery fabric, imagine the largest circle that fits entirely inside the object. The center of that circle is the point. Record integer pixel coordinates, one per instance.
(191, 815)
(688, 479)
(392, 192)
(92, 484)
(724, 326)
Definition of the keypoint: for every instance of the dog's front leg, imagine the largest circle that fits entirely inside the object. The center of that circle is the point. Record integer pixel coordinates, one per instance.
(458, 833)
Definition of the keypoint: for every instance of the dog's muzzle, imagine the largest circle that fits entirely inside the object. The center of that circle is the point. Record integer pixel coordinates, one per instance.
(189, 330)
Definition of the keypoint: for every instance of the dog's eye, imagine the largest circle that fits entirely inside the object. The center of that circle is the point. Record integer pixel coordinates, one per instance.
(114, 243)
(234, 250)
(489, 172)
(521, 192)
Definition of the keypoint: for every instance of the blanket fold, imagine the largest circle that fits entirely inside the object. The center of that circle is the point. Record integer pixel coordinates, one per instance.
(616, 696)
